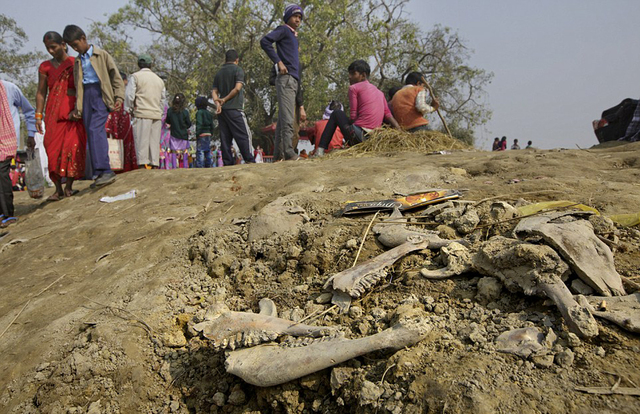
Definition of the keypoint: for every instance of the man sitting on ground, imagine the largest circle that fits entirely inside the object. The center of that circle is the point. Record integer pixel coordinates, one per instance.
(368, 108)
(411, 103)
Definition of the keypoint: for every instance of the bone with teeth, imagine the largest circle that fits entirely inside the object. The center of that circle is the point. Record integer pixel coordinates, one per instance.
(228, 329)
(356, 280)
(271, 364)
(353, 282)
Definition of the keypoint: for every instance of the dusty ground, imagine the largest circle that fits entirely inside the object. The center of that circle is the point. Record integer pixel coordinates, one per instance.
(108, 293)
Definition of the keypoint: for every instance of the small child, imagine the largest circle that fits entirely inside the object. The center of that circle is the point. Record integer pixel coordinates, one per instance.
(179, 121)
(204, 130)
(368, 110)
(100, 90)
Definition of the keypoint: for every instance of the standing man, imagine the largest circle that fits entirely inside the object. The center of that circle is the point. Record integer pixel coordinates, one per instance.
(11, 102)
(286, 58)
(145, 98)
(229, 98)
(100, 90)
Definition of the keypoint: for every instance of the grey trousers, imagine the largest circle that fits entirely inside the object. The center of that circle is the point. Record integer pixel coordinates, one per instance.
(146, 135)
(286, 89)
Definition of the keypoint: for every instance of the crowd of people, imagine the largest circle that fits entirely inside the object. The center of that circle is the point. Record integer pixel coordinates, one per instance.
(501, 144)
(96, 121)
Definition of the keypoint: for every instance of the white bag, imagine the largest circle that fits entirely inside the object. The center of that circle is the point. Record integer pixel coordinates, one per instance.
(33, 177)
(116, 154)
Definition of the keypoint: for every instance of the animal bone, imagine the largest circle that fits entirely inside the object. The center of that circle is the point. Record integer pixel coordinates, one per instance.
(394, 234)
(270, 364)
(268, 307)
(356, 280)
(624, 311)
(534, 269)
(524, 341)
(458, 261)
(236, 329)
(574, 239)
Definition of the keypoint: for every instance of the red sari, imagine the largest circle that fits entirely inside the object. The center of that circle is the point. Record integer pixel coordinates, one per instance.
(119, 127)
(64, 140)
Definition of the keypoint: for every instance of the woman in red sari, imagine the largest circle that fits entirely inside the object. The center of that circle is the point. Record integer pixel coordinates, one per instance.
(64, 140)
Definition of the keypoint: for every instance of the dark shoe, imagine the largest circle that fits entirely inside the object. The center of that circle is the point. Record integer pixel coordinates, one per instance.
(105, 179)
(8, 221)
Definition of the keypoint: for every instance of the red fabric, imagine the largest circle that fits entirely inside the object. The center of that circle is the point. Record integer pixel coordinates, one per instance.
(8, 138)
(336, 139)
(119, 127)
(65, 141)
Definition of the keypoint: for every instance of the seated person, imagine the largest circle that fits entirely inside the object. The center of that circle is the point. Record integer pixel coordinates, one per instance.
(411, 103)
(368, 110)
(338, 138)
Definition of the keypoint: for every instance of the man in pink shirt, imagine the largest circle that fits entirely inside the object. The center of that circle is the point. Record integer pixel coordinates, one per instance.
(368, 110)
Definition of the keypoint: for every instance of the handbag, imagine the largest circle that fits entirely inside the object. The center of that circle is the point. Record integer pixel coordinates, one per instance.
(33, 176)
(116, 153)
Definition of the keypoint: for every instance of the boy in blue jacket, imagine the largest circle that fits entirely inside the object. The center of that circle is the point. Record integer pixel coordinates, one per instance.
(288, 67)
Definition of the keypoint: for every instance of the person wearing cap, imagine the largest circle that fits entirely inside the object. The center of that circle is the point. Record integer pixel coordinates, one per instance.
(145, 98)
(285, 57)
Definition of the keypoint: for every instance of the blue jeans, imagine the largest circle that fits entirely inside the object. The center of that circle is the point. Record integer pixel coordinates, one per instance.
(203, 152)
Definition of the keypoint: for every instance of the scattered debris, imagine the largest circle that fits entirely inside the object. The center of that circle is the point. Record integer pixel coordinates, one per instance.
(120, 197)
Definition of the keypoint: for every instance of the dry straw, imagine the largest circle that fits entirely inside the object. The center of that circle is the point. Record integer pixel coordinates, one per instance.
(392, 140)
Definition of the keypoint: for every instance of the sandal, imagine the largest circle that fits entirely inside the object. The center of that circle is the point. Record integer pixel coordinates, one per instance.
(70, 193)
(8, 221)
(55, 197)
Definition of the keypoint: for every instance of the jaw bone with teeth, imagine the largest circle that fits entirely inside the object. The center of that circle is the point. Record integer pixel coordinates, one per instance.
(353, 282)
(228, 329)
(273, 364)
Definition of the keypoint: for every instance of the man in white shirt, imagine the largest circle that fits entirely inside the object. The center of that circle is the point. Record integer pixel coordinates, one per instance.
(145, 98)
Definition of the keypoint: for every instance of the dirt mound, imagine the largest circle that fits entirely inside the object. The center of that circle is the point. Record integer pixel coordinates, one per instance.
(114, 290)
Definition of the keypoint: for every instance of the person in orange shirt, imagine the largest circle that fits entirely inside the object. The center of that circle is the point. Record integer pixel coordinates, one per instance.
(411, 103)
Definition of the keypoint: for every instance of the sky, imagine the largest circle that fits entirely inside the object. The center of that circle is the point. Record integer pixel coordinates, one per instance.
(557, 64)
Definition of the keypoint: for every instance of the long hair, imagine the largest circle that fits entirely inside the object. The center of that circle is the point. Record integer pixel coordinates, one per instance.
(55, 37)
(178, 102)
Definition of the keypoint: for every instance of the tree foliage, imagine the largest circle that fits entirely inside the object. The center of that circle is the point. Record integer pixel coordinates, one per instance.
(15, 65)
(188, 39)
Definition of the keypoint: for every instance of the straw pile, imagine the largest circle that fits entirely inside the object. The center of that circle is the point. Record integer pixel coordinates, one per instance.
(392, 140)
